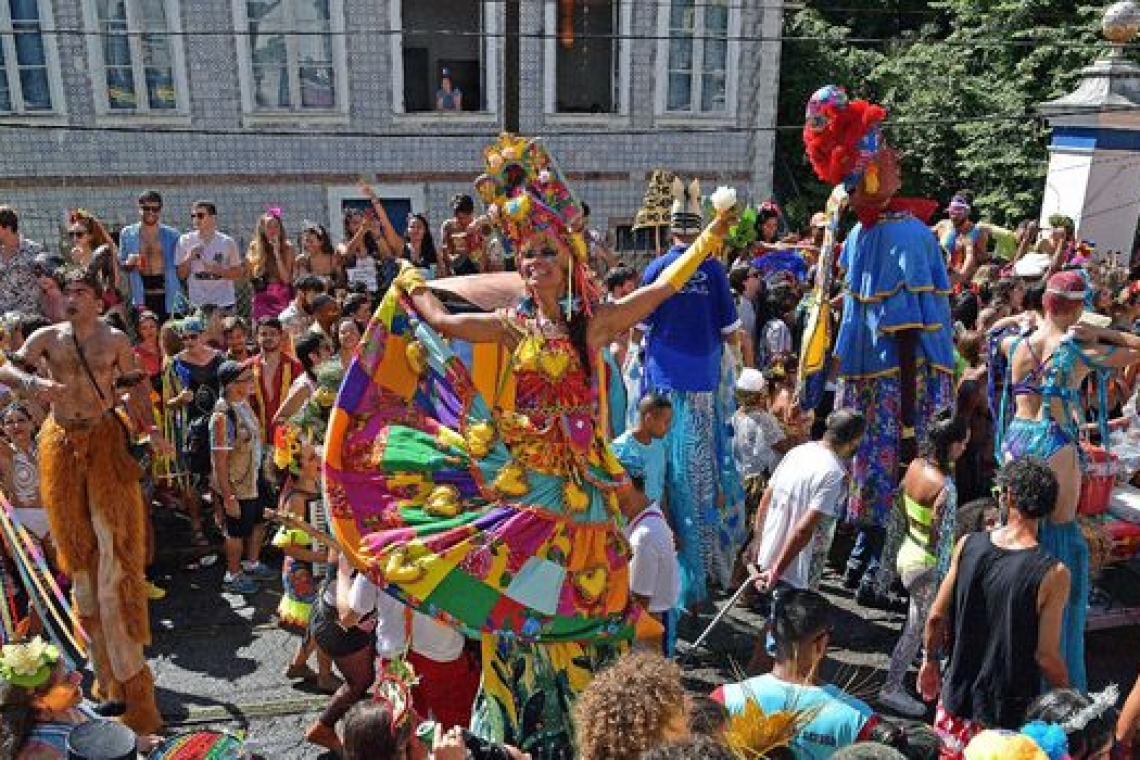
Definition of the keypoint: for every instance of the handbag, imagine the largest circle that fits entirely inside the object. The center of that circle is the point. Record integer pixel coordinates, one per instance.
(138, 444)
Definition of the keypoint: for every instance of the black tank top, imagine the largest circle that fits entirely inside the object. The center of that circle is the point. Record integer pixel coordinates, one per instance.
(993, 675)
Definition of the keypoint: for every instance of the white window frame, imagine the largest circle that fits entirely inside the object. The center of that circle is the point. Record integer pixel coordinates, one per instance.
(98, 68)
(550, 67)
(252, 114)
(338, 194)
(492, 51)
(51, 60)
(732, 65)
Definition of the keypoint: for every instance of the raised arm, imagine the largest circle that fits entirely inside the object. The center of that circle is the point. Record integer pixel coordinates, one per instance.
(1107, 347)
(617, 316)
(393, 240)
(473, 328)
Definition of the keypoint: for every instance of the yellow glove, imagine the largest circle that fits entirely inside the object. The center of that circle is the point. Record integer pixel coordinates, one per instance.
(709, 243)
(409, 280)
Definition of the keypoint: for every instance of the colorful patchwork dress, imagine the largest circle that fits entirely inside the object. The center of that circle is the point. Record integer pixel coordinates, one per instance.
(498, 518)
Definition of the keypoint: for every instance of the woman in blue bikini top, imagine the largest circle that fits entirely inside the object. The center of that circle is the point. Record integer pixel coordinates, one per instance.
(1046, 369)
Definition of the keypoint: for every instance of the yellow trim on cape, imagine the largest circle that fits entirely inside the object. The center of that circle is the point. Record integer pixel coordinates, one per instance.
(912, 326)
(895, 371)
(885, 294)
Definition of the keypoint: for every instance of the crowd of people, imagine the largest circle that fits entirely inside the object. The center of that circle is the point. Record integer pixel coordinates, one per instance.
(648, 451)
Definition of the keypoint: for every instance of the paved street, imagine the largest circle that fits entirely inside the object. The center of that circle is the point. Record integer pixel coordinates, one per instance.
(219, 658)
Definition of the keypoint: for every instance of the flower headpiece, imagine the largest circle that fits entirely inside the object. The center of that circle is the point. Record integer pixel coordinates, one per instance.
(287, 448)
(29, 664)
(842, 137)
(535, 202)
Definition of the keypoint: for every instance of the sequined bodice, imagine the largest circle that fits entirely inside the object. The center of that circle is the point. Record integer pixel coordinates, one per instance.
(553, 426)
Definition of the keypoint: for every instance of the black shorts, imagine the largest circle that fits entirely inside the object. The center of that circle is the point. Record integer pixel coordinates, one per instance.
(334, 640)
(252, 514)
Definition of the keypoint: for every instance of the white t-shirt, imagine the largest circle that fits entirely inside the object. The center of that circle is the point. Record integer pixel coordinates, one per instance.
(431, 639)
(653, 570)
(203, 288)
(810, 477)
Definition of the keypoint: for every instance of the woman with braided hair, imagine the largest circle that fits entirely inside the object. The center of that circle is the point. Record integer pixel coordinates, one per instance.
(496, 511)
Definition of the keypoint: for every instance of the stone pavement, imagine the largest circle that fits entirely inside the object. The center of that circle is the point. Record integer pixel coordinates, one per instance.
(219, 658)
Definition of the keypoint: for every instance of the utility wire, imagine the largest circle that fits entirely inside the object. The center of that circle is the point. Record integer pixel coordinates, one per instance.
(673, 34)
(491, 131)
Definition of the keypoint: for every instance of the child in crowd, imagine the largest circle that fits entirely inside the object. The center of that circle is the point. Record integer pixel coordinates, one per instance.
(758, 441)
(305, 564)
(654, 572)
(643, 443)
(236, 450)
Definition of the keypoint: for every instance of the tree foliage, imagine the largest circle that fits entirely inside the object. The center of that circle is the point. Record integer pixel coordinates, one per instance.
(960, 80)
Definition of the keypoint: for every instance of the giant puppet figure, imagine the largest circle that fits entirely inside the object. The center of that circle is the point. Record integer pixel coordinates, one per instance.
(894, 348)
(496, 511)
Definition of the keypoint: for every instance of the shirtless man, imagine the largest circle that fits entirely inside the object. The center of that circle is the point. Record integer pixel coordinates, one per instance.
(460, 242)
(965, 241)
(147, 251)
(90, 486)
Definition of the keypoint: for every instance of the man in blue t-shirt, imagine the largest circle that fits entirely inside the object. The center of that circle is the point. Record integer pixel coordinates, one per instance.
(683, 354)
(801, 626)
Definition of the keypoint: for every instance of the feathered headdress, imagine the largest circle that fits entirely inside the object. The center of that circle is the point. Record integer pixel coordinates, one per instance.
(753, 733)
(685, 214)
(535, 203)
(842, 137)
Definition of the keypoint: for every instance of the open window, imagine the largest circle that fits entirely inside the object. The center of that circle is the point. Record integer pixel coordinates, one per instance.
(445, 48)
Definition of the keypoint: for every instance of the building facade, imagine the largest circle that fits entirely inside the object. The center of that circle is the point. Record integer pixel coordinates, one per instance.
(286, 103)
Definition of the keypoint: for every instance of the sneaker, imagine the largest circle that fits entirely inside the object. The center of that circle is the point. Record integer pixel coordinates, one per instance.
(258, 571)
(903, 704)
(868, 596)
(238, 584)
(153, 592)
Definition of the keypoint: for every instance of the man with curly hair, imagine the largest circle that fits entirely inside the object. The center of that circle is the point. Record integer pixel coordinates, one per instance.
(630, 708)
(998, 617)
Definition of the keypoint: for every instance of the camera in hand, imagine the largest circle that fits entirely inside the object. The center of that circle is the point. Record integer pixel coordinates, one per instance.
(477, 748)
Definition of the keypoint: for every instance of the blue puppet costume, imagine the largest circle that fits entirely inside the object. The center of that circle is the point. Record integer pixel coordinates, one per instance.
(894, 347)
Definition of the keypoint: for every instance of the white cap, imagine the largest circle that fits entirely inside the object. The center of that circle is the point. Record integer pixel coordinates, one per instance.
(751, 381)
(1032, 265)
